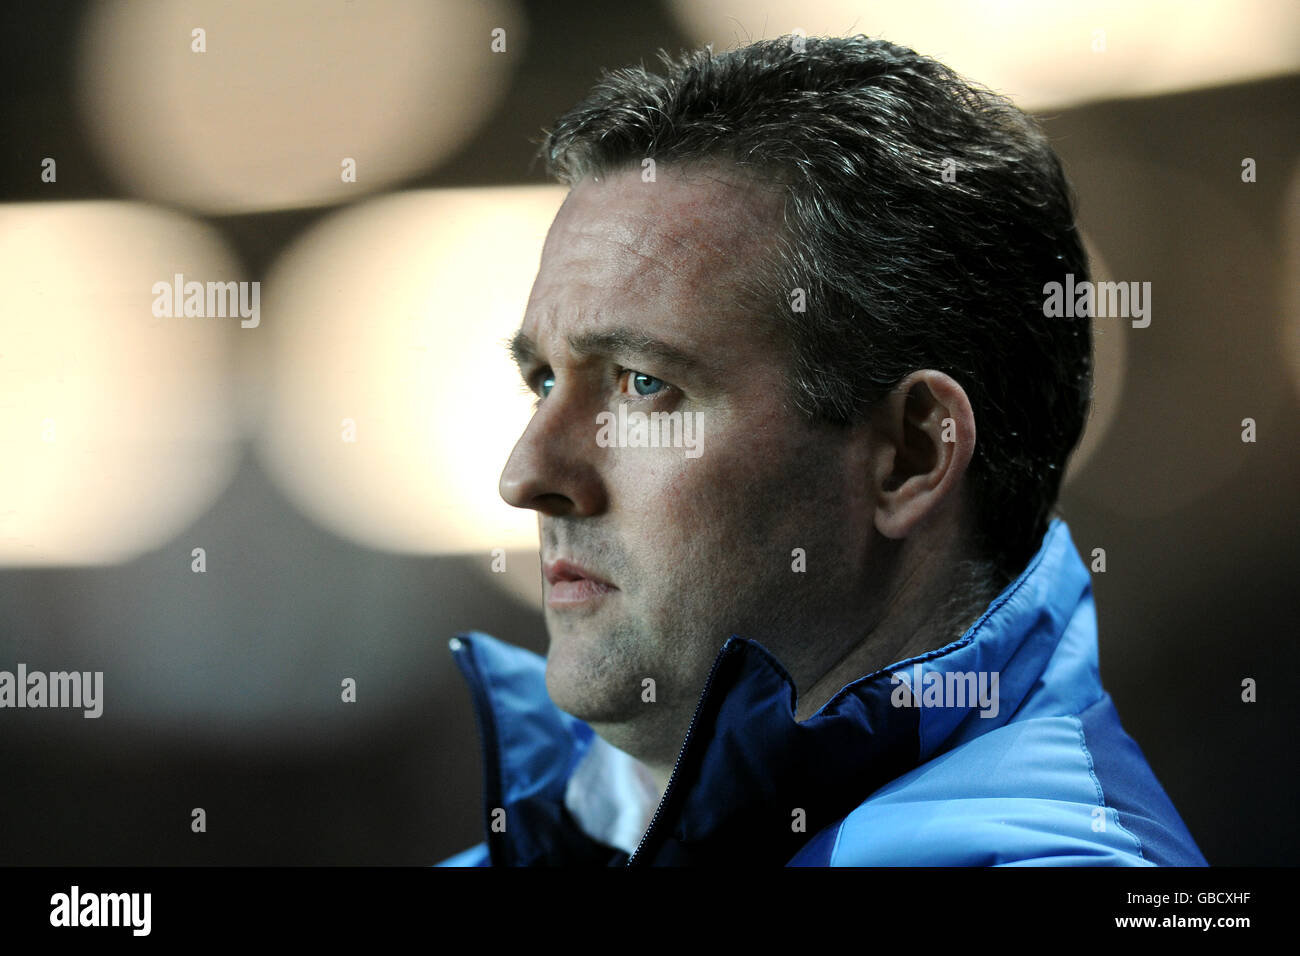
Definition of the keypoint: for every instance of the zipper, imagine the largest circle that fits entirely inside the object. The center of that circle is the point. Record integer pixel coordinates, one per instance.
(690, 730)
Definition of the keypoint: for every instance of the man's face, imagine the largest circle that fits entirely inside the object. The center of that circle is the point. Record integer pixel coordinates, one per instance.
(635, 303)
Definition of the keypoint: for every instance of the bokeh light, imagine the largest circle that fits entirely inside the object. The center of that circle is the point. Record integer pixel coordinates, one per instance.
(391, 315)
(1040, 54)
(285, 92)
(1109, 360)
(117, 427)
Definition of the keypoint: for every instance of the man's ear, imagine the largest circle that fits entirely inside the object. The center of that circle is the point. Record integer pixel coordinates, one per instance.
(925, 439)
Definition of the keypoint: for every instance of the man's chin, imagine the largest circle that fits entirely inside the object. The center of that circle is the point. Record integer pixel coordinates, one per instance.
(579, 685)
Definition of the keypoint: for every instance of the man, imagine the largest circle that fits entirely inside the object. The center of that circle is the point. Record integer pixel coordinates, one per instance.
(809, 614)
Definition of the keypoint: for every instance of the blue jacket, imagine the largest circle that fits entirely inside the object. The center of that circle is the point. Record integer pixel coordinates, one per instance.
(907, 766)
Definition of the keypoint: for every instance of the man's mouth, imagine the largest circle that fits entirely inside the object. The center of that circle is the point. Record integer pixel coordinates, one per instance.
(571, 584)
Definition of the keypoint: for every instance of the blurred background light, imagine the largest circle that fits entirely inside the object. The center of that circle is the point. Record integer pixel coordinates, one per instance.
(392, 314)
(1041, 54)
(1289, 275)
(1109, 351)
(285, 92)
(1194, 373)
(117, 427)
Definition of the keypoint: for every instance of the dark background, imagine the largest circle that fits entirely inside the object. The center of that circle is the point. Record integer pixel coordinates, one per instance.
(1200, 530)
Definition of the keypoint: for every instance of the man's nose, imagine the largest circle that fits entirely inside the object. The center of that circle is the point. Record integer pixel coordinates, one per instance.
(552, 468)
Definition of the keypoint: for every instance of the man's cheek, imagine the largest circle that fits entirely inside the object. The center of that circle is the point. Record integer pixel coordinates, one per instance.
(702, 492)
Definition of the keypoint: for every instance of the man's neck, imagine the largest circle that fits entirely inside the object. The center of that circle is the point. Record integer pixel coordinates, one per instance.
(926, 612)
(661, 777)
(935, 600)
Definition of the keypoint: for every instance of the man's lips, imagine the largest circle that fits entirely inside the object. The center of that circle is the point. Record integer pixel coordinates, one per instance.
(572, 584)
(565, 570)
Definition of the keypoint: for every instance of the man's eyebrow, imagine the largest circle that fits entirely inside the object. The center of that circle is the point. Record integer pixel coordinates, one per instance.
(629, 342)
(522, 349)
(620, 341)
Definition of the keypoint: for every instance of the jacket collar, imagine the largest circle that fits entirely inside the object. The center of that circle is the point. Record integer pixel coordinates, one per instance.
(752, 784)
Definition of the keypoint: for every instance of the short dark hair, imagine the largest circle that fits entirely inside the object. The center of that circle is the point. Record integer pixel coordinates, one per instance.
(923, 217)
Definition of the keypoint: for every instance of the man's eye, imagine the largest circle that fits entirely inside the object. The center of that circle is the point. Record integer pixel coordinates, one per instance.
(543, 382)
(643, 384)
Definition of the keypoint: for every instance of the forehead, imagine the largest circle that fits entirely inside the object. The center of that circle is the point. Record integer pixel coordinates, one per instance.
(673, 253)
